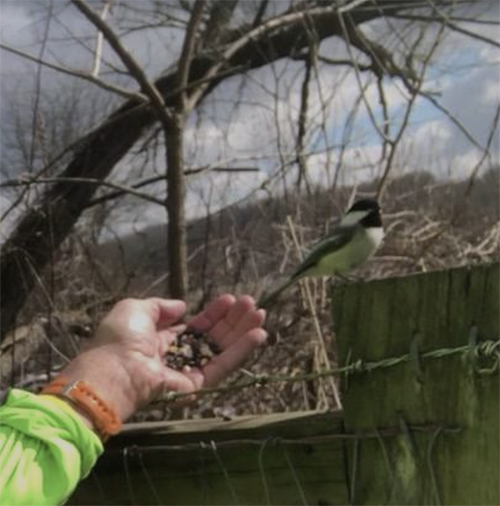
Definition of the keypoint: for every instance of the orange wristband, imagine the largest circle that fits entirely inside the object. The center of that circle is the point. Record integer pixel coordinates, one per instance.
(83, 396)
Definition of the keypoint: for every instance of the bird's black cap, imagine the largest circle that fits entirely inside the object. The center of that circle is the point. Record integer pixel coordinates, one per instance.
(373, 218)
(365, 205)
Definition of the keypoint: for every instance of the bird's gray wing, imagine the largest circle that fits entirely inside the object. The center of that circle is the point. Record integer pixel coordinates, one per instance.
(332, 242)
(338, 238)
(268, 298)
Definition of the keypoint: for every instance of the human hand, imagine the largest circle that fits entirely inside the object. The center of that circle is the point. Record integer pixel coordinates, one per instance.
(235, 325)
(125, 361)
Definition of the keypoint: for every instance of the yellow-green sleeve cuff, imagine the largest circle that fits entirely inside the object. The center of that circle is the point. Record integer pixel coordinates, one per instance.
(45, 450)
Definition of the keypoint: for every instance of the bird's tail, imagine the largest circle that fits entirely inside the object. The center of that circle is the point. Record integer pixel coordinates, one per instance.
(269, 298)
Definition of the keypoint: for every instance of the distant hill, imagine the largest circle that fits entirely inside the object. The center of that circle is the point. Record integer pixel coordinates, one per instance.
(239, 243)
(244, 244)
(430, 225)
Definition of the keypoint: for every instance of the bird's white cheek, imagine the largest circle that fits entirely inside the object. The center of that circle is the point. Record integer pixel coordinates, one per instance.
(376, 235)
(353, 218)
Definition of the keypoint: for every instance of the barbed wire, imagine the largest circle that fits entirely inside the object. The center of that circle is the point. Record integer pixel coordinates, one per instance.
(212, 447)
(479, 353)
(378, 434)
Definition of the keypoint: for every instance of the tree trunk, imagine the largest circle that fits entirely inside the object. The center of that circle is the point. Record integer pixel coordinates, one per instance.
(44, 227)
(176, 192)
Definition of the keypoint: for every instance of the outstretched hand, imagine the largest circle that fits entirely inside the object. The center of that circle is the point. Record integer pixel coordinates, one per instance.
(132, 340)
(236, 326)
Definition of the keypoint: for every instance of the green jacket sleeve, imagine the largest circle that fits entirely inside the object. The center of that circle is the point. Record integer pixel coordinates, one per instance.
(45, 450)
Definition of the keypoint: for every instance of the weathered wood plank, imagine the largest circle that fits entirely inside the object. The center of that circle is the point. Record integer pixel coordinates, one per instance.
(288, 458)
(383, 319)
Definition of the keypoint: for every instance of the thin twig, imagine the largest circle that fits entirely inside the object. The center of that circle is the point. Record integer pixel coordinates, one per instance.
(84, 180)
(99, 41)
(135, 70)
(138, 97)
(187, 53)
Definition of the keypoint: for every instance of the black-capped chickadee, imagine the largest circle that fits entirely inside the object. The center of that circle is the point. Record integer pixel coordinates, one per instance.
(348, 246)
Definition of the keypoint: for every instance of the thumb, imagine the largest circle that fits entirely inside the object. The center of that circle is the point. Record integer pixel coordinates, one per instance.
(180, 383)
(165, 312)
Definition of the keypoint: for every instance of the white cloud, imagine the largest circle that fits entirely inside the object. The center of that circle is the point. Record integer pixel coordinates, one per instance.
(255, 124)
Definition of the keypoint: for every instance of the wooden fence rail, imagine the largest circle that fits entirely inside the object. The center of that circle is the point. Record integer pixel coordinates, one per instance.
(272, 459)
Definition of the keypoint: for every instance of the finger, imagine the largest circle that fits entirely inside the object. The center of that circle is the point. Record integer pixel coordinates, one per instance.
(181, 383)
(165, 312)
(168, 336)
(229, 360)
(176, 329)
(213, 313)
(178, 382)
(195, 376)
(248, 321)
(242, 306)
(184, 400)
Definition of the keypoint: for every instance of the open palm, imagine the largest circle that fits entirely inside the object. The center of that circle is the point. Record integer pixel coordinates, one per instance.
(141, 331)
(235, 325)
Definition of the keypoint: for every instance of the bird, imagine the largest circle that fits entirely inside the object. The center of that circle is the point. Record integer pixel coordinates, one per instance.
(346, 247)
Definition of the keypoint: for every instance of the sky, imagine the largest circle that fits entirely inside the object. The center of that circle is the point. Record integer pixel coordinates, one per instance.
(463, 77)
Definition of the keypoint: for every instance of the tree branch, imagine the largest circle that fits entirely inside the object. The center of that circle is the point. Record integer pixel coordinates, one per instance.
(128, 60)
(304, 106)
(152, 180)
(98, 42)
(82, 180)
(448, 21)
(188, 52)
(138, 97)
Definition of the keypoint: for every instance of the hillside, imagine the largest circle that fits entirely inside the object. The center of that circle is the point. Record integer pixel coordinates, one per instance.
(245, 249)
(244, 244)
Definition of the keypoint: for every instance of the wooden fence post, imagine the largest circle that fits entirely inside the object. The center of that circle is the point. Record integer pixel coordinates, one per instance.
(422, 391)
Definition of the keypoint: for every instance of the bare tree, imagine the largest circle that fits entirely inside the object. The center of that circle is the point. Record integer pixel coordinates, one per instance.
(220, 41)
